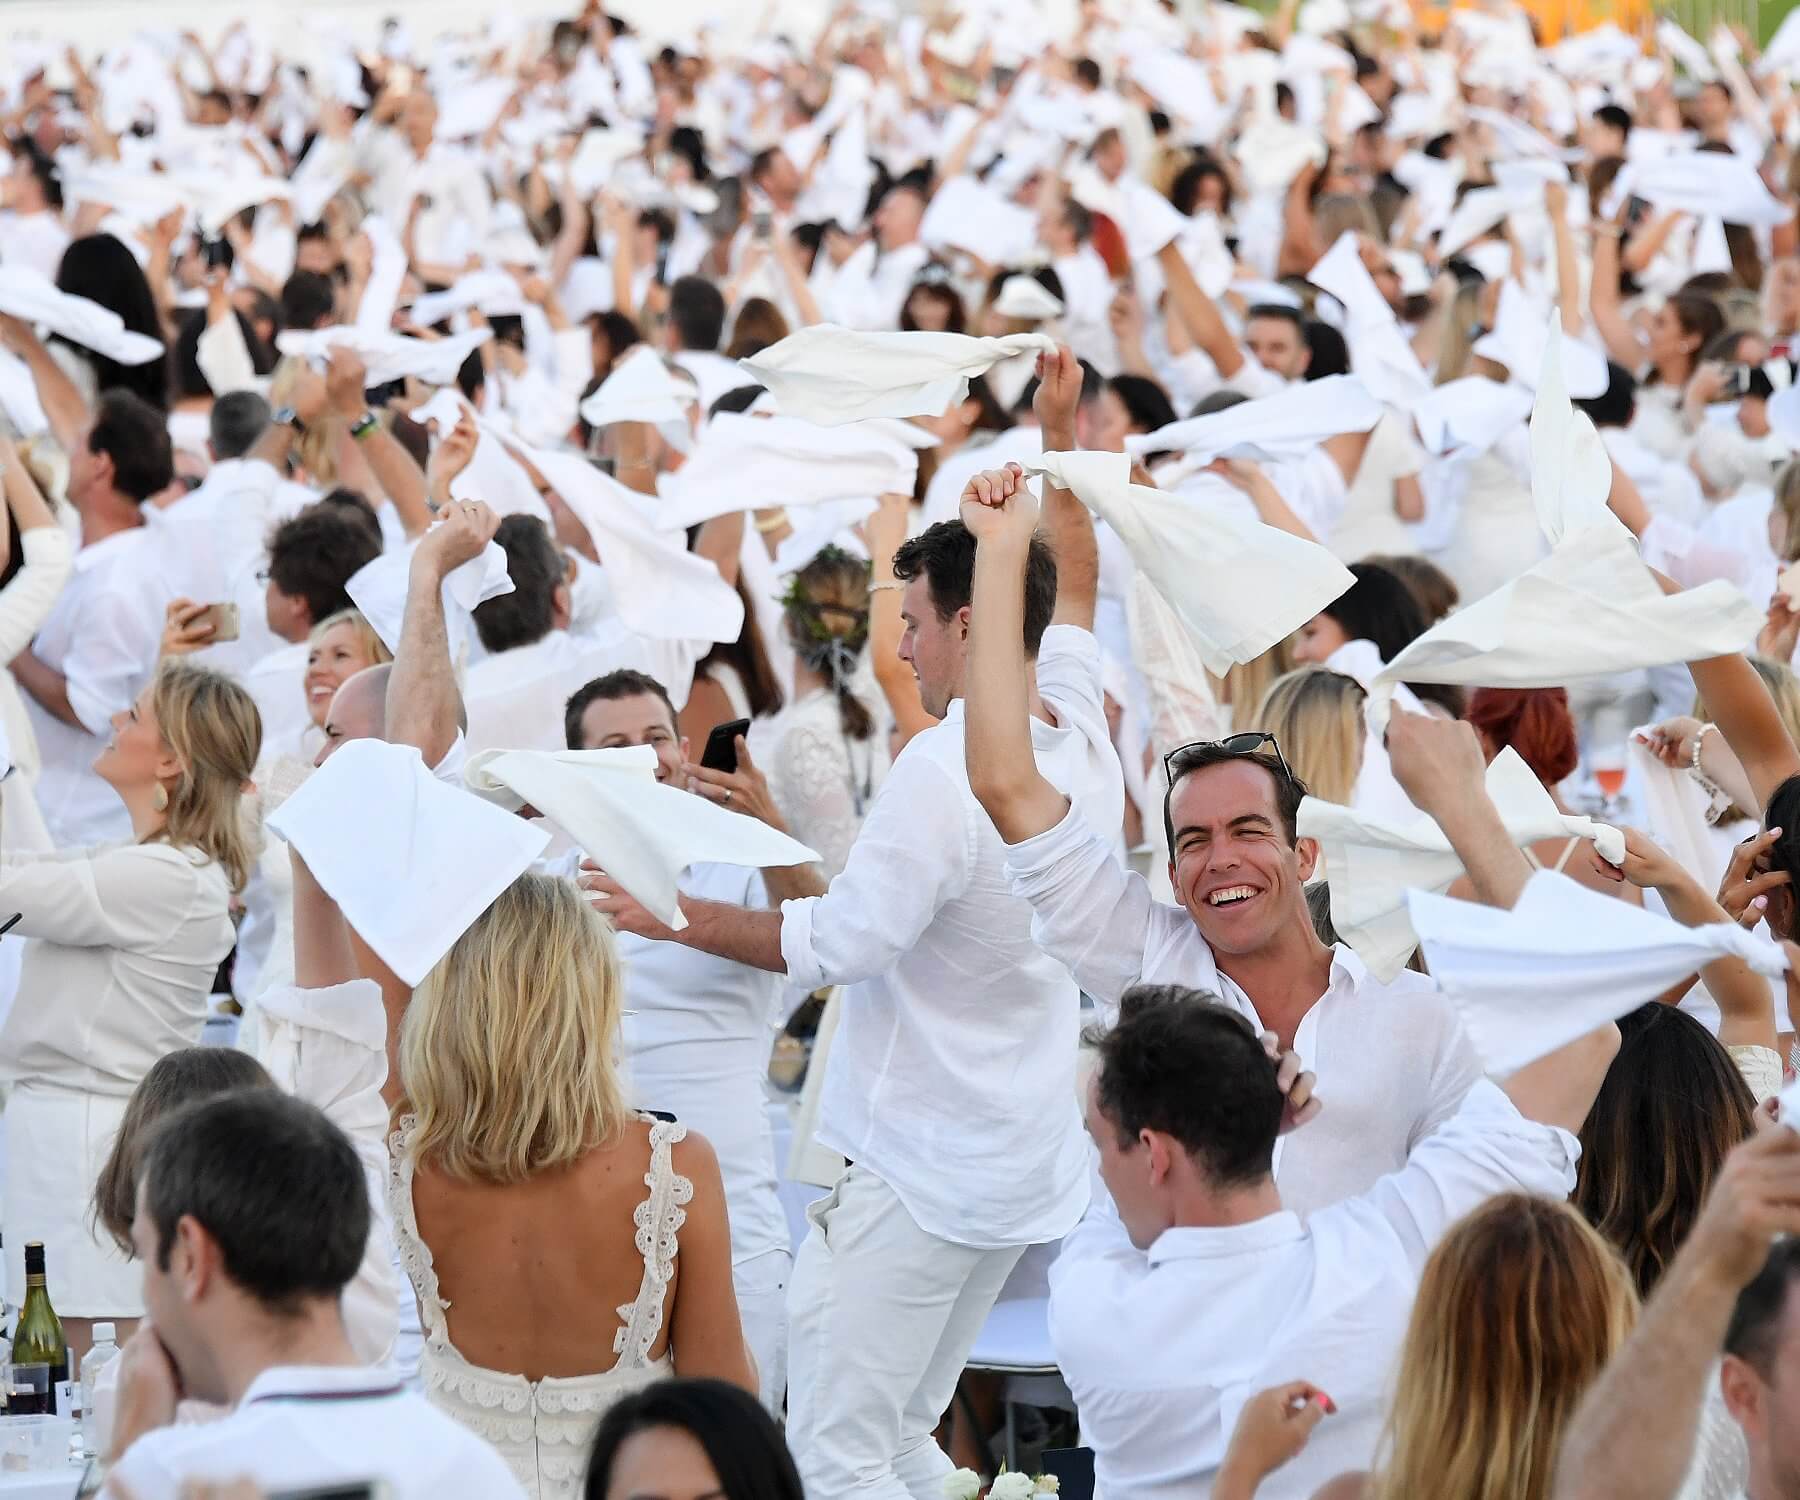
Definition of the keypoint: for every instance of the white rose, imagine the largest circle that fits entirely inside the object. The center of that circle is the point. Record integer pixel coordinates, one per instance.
(964, 1484)
(1012, 1487)
(1047, 1484)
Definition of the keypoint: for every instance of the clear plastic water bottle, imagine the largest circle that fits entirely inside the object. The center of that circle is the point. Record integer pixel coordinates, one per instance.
(105, 1350)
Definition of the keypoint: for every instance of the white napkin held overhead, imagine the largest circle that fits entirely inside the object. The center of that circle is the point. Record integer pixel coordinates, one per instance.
(1562, 962)
(27, 294)
(1286, 425)
(642, 832)
(1238, 585)
(388, 356)
(832, 375)
(378, 589)
(641, 389)
(1372, 862)
(411, 861)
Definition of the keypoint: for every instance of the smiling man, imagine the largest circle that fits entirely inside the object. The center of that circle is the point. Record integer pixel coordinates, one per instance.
(1392, 1054)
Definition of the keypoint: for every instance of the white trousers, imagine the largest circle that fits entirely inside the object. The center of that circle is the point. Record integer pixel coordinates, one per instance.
(881, 1319)
(761, 1284)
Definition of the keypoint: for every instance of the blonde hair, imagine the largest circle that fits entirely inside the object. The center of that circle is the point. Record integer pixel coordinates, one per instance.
(214, 729)
(1519, 1309)
(1787, 506)
(1457, 320)
(508, 1049)
(316, 452)
(1316, 715)
(1244, 685)
(373, 646)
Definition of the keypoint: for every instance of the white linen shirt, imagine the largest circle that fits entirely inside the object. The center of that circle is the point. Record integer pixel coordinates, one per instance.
(1162, 1348)
(952, 1075)
(307, 1426)
(1392, 1059)
(123, 946)
(101, 637)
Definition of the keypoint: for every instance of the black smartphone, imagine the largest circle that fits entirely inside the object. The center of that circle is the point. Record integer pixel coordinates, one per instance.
(721, 746)
(217, 252)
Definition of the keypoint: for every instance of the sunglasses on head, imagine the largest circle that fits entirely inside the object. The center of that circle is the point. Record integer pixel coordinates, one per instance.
(1247, 743)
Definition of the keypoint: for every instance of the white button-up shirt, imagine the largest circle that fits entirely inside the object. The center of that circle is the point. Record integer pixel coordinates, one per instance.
(1161, 1349)
(1392, 1059)
(310, 1426)
(100, 635)
(952, 1075)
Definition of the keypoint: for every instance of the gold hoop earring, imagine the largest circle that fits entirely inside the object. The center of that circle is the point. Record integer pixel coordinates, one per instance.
(160, 799)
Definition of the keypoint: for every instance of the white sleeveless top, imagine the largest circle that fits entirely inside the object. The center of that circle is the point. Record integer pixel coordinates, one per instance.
(543, 1428)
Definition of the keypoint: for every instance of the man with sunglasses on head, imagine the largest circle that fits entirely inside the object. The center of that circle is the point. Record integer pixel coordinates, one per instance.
(1393, 1054)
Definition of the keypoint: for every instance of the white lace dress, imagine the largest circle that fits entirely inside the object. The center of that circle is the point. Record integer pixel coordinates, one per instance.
(543, 1428)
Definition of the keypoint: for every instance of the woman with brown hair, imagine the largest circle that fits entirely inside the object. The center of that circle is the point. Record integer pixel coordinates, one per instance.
(123, 942)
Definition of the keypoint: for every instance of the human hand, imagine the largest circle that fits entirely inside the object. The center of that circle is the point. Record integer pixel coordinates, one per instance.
(1647, 865)
(183, 629)
(1672, 741)
(1744, 888)
(624, 911)
(1755, 1198)
(1243, 474)
(451, 456)
(1781, 631)
(1295, 1083)
(1438, 762)
(745, 790)
(1271, 1429)
(346, 379)
(1708, 383)
(997, 506)
(149, 1388)
(309, 395)
(1058, 396)
(462, 532)
(1125, 316)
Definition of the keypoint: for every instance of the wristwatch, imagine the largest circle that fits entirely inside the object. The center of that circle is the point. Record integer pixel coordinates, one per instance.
(286, 416)
(364, 425)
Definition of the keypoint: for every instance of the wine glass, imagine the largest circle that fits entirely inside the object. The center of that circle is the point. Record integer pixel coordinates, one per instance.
(1608, 766)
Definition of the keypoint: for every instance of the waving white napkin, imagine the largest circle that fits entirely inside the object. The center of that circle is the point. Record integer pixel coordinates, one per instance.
(967, 214)
(641, 389)
(1721, 184)
(1286, 425)
(1238, 585)
(494, 292)
(493, 474)
(378, 589)
(1372, 862)
(1571, 471)
(1024, 296)
(25, 293)
(1521, 336)
(747, 463)
(659, 589)
(388, 356)
(832, 375)
(640, 831)
(1563, 961)
(1381, 355)
(1468, 416)
(410, 861)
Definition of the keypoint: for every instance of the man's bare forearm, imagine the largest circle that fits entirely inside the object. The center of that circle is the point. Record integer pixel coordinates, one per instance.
(423, 705)
(735, 932)
(793, 883)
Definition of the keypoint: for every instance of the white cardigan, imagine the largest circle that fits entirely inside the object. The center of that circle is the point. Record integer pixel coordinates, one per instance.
(24, 604)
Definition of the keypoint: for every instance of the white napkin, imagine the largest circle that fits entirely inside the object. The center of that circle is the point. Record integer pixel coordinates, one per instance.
(387, 272)
(25, 293)
(1380, 353)
(494, 292)
(1562, 962)
(1373, 861)
(1027, 297)
(832, 375)
(1238, 585)
(410, 861)
(1469, 415)
(493, 475)
(660, 590)
(1518, 339)
(1589, 609)
(388, 356)
(748, 463)
(1286, 425)
(1683, 49)
(641, 389)
(1721, 184)
(1571, 471)
(378, 589)
(640, 831)
(966, 214)
(19, 396)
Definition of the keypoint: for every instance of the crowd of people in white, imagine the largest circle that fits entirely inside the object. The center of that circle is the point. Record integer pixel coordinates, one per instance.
(1168, 643)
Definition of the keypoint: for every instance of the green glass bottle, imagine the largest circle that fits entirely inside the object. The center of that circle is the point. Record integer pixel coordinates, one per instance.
(38, 1338)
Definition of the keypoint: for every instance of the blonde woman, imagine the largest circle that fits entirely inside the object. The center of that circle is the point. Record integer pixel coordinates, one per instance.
(565, 1251)
(122, 943)
(1317, 716)
(1519, 1309)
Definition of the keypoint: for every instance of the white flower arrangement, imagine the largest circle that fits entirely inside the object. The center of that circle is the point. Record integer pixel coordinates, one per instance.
(965, 1484)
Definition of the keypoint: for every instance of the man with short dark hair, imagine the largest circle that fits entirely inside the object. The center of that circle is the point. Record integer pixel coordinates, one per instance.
(1190, 1283)
(90, 656)
(308, 301)
(1243, 930)
(696, 325)
(954, 1172)
(1275, 337)
(312, 556)
(252, 1215)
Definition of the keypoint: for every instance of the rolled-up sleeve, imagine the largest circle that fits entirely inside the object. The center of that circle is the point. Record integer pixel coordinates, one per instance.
(1088, 911)
(914, 853)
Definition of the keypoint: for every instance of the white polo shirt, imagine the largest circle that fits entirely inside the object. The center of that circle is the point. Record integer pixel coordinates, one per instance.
(302, 1426)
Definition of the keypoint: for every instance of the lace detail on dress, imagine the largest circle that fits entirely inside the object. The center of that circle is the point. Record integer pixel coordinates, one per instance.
(659, 1219)
(544, 1428)
(817, 775)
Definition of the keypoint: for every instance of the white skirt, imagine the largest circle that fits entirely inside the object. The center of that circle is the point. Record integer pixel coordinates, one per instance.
(56, 1143)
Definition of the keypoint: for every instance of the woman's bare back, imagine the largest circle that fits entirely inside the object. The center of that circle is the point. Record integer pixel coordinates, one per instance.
(535, 1272)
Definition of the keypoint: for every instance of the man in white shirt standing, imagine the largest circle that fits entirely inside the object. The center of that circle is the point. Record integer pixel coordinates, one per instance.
(252, 1217)
(696, 325)
(870, 288)
(1243, 930)
(87, 662)
(698, 1028)
(950, 1082)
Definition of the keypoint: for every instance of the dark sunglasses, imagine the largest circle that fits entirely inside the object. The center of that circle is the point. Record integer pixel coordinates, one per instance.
(1247, 743)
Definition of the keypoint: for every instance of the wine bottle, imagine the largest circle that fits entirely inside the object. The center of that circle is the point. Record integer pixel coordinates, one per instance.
(38, 1339)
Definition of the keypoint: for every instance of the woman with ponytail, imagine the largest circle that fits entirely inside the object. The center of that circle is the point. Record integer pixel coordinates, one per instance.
(825, 757)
